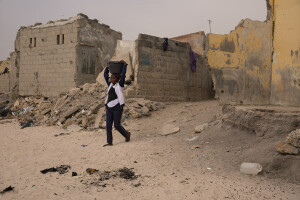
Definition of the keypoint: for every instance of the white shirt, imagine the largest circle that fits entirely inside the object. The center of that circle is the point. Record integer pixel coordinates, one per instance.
(119, 92)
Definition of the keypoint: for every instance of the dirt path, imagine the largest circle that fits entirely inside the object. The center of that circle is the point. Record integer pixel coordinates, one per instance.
(167, 167)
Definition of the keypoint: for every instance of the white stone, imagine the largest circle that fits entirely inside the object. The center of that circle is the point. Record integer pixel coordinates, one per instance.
(201, 128)
(169, 129)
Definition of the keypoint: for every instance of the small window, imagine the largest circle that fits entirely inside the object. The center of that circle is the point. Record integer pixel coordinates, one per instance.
(30, 41)
(57, 39)
(63, 38)
(34, 44)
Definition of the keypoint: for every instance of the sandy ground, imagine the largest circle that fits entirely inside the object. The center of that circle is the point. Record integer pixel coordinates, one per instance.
(169, 167)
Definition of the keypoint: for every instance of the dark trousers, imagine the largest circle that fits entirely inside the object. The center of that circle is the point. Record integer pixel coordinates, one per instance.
(114, 115)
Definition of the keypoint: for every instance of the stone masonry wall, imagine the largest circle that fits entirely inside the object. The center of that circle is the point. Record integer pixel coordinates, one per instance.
(47, 68)
(166, 75)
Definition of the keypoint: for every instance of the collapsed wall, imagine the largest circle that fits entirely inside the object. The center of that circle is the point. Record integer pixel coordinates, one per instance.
(166, 75)
(4, 77)
(198, 41)
(241, 63)
(52, 58)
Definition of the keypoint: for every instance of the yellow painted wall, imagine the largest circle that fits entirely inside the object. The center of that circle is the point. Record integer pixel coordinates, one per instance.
(241, 63)
(286, 56)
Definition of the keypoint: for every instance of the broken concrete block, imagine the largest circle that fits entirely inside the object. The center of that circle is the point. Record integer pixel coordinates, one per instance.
(68, 113)
(59, 103)
(294, 138)
(47, 110)
(84, 121)
(99, 116)
(145, 110)
(169, 129)
(17, 103)
(285, 148)
(201, 128)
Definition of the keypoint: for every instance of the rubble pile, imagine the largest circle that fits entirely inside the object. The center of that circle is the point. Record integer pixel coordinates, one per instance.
(291, 145)
(83, 106)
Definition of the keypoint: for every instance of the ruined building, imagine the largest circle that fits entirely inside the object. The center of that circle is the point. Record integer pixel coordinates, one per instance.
(54, 57)
(258, 63)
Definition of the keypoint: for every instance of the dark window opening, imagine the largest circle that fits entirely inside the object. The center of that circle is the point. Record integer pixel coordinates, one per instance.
(57, 39)
(34, 42)
(30, 41)
(63, 39)
(89, 63)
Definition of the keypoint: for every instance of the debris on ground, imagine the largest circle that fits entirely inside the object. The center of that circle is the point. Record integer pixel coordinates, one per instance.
(61, 169)
(169, 129)
(91, 171)
(83, 106)
(285, 148)
(29, 123)
(201, 128)
(61, 134)
(9, 188)
(98, 177)
(293, 138)
(250, 168)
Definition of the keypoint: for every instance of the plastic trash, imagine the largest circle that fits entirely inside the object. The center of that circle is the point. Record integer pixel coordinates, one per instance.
(192, 139)
(250, 168)
(84, 145)
(26, 110)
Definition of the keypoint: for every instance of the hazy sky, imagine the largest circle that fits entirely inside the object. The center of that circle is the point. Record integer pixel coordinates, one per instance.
(162, 18)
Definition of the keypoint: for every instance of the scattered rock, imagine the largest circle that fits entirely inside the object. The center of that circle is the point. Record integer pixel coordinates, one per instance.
(201, 128)
(294, 138)
(285, 148)
(169, 129)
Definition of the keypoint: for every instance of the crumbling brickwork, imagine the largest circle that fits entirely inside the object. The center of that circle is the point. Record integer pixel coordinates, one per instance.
(166, 75)
(57, 56)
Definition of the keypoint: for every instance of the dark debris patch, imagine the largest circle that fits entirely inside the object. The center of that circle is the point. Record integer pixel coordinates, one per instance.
(61, 169)
(9, 188)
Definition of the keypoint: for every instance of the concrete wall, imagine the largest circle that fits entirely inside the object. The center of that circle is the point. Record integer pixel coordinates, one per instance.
(96, 45)
(47, 68)
(198, 41)
(285, 88)
(52, 58)
(4, 83)
(4, 78)
(241, 63)
(125, 50)
(166, 75)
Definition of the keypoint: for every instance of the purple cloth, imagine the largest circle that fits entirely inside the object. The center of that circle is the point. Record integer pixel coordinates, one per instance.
(193, 60)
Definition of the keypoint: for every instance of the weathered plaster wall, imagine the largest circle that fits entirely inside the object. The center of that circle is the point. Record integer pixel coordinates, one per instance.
(198, 41)
(96, 45)
(285, 88)
(166, 75)
(52, 58)
(4, 83)
(4, 78)
(125, 50)
(47, 68)
(241, 63)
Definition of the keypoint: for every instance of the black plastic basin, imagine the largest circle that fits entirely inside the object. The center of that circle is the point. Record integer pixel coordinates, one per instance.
(115, 67)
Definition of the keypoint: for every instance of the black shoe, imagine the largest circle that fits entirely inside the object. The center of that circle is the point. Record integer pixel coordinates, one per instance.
(128, 137)
(108, 144)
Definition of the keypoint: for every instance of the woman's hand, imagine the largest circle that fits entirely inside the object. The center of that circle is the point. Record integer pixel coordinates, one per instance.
(123, 61)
